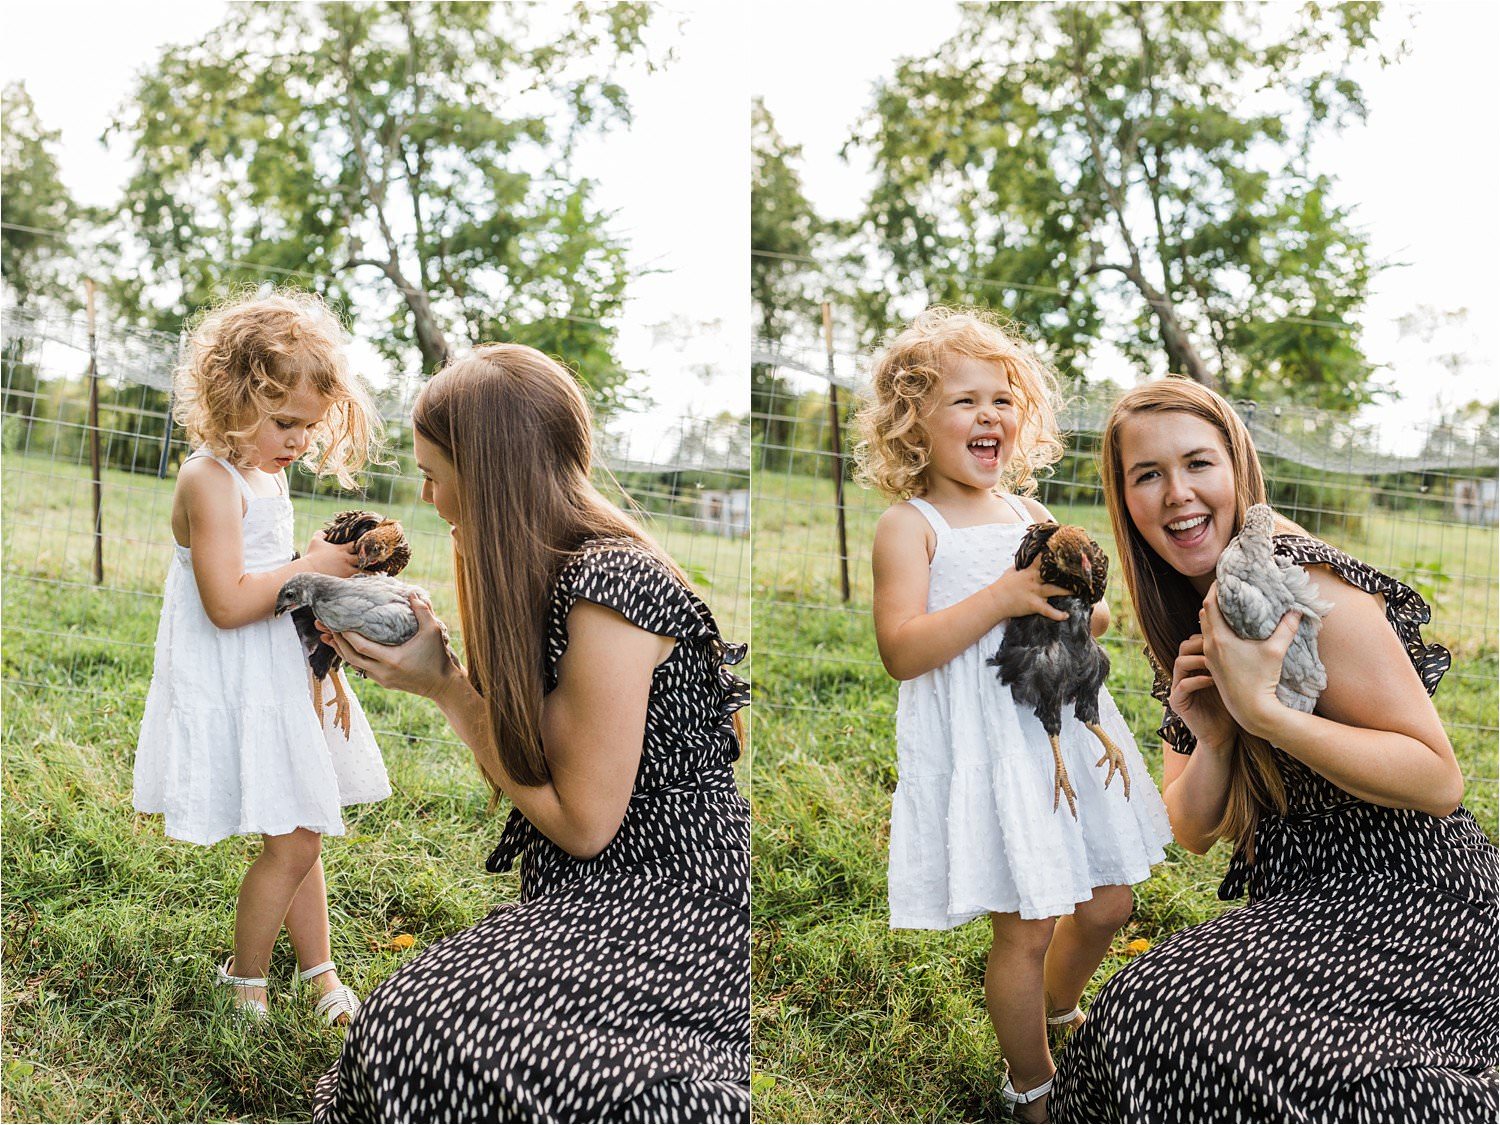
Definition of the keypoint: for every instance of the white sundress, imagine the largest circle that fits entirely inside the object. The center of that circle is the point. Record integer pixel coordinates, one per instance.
(229, 743)
(972, 824)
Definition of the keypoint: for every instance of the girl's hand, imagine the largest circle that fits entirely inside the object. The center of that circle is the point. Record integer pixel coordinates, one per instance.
(1194, 697)
(1246, 672)
(1021, 593)
(336, 559)
(422, 666)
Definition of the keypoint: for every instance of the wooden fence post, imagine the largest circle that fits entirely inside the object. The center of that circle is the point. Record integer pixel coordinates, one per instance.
(838, 453)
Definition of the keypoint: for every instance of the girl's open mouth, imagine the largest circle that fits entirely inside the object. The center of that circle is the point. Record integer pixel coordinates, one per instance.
(1190, 531)
(986, 451)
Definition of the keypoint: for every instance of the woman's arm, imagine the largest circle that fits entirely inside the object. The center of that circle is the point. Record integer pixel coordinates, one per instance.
(1375, 733)
(1195, 787)
(913, 641)
(593, 722)
(232, 598)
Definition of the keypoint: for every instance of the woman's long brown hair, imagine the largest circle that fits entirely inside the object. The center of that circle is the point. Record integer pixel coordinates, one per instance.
(1166, 605)
(516, 428)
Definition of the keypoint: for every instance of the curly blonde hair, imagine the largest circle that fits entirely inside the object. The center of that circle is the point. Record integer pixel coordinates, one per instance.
(247, 355)
(892, 455)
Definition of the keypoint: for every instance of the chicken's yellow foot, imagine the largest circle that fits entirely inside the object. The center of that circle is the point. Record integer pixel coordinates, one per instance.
(340, 702)
(1061, 786)
(1114, 756)
(316, 686)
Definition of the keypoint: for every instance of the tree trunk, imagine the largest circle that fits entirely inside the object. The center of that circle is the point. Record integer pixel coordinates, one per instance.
(1182, 357)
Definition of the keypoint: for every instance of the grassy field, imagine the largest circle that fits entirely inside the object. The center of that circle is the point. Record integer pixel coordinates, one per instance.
(110, 930)
(855, 1022)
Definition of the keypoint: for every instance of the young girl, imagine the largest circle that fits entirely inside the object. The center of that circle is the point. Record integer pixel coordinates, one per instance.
(231, 742)
(961, 409)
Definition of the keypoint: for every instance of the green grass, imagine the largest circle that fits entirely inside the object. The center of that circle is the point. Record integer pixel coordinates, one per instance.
(855, 1022)
(110, 930)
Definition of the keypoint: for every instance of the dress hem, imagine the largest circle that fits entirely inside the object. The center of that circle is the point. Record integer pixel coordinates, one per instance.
(1063, 908)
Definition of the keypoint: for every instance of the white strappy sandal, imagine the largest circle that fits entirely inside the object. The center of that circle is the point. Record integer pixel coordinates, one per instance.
(1066, 1019)
(248, 1006)
(1015, 1098)
(337, 1005)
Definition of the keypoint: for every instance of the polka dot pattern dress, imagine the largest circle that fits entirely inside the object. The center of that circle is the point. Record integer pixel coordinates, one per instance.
(1358, 985)
(617, 988)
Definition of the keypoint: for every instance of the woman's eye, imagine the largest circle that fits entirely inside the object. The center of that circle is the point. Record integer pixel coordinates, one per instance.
(1197, 462)
(1147, 475)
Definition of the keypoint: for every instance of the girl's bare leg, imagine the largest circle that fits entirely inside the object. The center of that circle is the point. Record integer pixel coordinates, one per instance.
(1014, 995)
(1080, 942)
(265, 895)
(307, 926)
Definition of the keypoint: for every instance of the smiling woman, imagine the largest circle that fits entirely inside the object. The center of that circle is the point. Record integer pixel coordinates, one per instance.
(1301, 1006)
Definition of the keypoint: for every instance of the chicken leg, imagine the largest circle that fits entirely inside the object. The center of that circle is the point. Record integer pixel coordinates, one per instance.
(1114, 756)
(341, 718)
(316, 688)
(1061, 786)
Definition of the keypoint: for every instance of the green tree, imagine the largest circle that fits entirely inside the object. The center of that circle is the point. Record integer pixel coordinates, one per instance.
(784, 232)
(38, 209)
(412, 158)
(1062, 161)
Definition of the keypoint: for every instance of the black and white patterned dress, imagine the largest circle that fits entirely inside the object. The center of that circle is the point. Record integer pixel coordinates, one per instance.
(1358, 985)
(617, 988)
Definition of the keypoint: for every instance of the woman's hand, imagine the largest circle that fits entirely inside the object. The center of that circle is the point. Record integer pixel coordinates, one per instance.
(1195, 699)
(422, 666)
(336, 559)
(1020, 593)
(1245, 672)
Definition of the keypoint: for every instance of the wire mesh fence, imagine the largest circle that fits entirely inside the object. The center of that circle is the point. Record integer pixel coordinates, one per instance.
(1426, 515)
(688, 478)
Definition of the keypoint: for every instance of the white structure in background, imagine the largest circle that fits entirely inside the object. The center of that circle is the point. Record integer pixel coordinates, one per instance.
(1476, 501)
(724, 512)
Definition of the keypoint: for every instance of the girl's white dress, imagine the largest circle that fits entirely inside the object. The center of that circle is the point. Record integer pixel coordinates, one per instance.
(229, 742)
(972, 824)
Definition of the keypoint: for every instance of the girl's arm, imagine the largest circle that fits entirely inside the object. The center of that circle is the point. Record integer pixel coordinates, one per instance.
(913, 641)
(593, 722)
(1375, 733)
(231, 598)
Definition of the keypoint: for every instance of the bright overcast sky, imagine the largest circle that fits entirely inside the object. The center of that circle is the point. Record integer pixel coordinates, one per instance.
(678, 178)
(1422, 173)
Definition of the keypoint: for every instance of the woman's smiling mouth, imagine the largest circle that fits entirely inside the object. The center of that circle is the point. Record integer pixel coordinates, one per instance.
(1188, 531)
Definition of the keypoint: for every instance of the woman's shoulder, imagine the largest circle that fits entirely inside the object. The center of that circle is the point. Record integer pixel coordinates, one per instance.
(628, 576)
(614, 558)
(1370, 595)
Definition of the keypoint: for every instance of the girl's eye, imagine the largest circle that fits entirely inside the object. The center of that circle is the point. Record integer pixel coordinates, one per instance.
(280, 425)
(963, 401)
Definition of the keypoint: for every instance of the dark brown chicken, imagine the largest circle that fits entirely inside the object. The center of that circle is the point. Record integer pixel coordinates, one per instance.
(1050, 663)
(380, 548)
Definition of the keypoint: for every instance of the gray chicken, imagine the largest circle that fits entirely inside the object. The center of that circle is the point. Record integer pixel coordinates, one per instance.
(1257, 589)
(372, 605)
